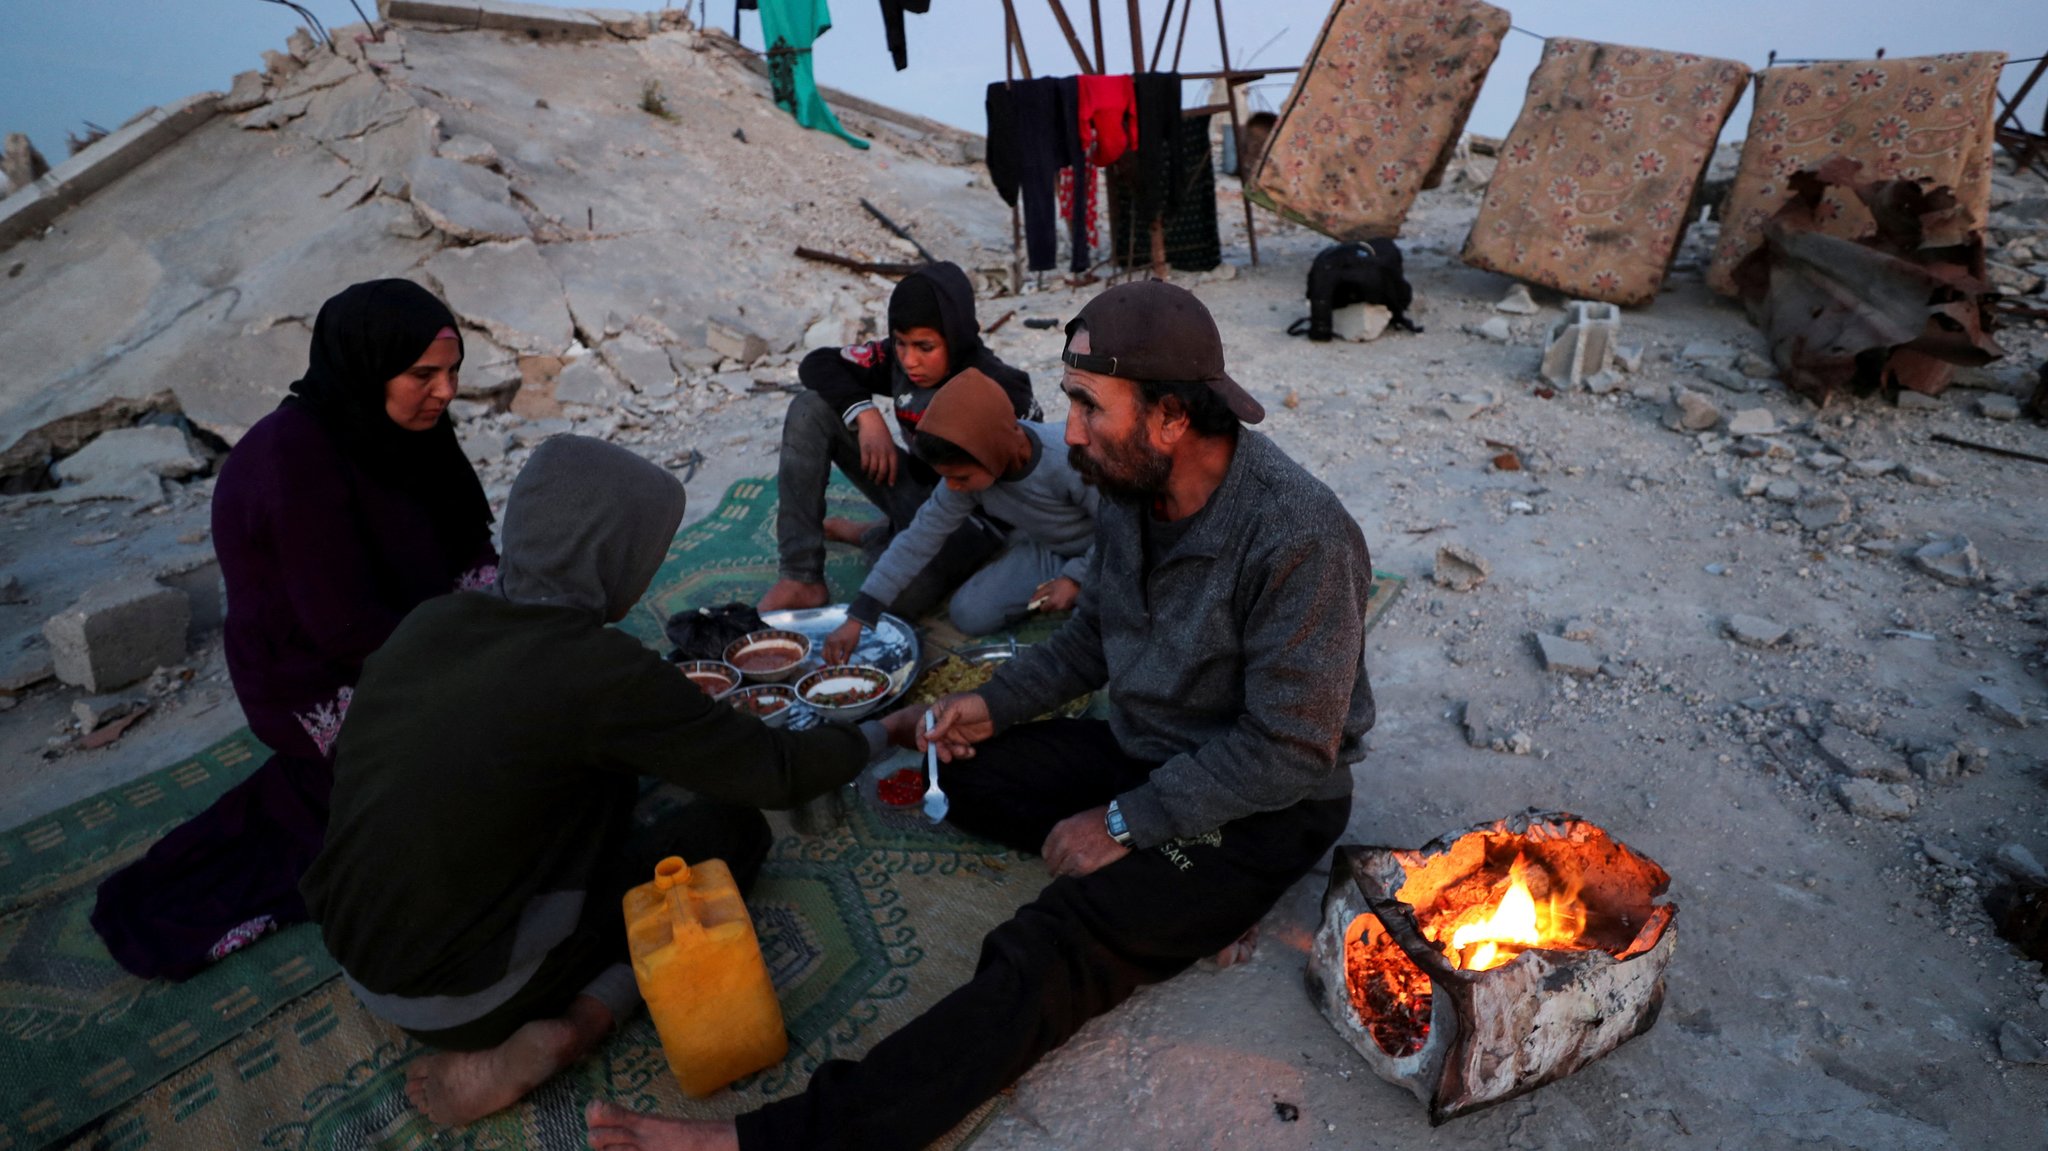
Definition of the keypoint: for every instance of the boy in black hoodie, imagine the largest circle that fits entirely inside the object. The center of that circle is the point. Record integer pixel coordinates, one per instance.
(933, 336)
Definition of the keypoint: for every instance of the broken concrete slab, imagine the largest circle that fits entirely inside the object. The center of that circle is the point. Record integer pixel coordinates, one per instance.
(2018, 1045)
(1496, 329)
(641, 363)
(1567, 656)
(1755, 631)
(2000, 703)
(118, 632)
(1871, 799)
(352, 108)
(96, 711)
(1998, 407)
(734, 340)
(1459, 568)
(467, 203)
(1822, 510)
(1582, 343)
(1853, 753)
(1953, 560)
(509, 291)
(467, 149)
(585, 380)
(197, 574)
(248, 91)
(323, 71)
(21, 668)
(122, 151)
(156, 451)
(1753, 422)
(1690, 411)
(265, 117)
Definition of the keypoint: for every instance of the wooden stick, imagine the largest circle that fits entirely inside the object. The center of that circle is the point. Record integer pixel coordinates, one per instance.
(1165, 22)
(1137, 38)
(1182, 40)
(1016, 38)
(993, 328)
(857, 265)
(1237, 73)
(1251, 234)
(899, 229)
(1993, 449)
(1095, 20)
(1059, 13)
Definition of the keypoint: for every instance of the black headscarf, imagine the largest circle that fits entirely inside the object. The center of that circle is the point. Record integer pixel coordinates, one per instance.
(365, 336)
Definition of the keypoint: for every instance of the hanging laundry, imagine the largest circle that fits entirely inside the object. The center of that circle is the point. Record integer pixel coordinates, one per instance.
(1157, 144)
(1193, 243)
(1107, 117)
(1376, 111)
(1593, 183)
(789, 28)
(1918, 118)
(892, 26)
(1025, 144)
(1077, 178)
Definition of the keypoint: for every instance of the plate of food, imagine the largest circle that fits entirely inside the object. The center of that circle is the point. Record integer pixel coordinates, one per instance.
(890, 647)
(844, 692)
(967, 668)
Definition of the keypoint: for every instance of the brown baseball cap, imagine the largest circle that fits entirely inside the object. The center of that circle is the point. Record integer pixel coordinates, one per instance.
(1153, 330)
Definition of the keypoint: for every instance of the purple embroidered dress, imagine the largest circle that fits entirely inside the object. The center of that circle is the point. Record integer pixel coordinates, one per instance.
(331, 523)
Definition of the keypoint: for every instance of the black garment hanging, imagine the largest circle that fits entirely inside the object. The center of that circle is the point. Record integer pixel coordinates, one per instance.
(892, 26)
(1170, 177)
(1074, 156)
(1025, 146)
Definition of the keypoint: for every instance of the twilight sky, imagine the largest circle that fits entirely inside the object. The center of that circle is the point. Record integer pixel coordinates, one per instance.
(65, 62)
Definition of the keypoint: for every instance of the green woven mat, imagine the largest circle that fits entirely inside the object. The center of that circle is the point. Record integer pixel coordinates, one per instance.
(863, 931)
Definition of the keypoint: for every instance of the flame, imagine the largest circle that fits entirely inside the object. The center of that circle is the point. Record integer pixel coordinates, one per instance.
(1488, 936)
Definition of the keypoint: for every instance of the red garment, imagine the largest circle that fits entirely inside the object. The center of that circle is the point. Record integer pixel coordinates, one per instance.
(1109, 118)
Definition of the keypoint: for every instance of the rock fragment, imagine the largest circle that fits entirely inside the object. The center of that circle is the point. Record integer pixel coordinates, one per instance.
(1495, 329)
(1568, 657)
(2001, 704)
(1755, 631)
(1517, 302)
(2016, 861)
(1582, 343)
(118, 632)
(1822, 510)
(1871, 468)
(2017, 1045)
(1924, 476)
(1854, 753)
(1690, 411)
(1953, 560)
(1360, 323)
(1998, 407)
(1753, 422)
(1871, 799)
(1459, 568)
(733, 340)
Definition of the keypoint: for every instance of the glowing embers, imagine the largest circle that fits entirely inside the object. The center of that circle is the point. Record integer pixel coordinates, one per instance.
(1494, 960)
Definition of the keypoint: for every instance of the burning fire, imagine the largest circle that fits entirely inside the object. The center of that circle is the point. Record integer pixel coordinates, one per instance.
(1488, 935)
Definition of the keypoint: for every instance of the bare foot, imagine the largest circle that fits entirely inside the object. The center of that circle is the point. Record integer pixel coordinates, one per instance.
(454, 1088)
(1240, 951)
(794, 593)
(613, 1128)
(841, 530)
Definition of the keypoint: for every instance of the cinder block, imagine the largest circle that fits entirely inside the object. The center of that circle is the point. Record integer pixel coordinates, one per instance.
(1582, 344)
(198, 576)
(119, 632)
(734, 340)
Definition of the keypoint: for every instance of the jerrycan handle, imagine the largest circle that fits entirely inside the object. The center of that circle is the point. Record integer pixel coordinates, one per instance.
(672, 879)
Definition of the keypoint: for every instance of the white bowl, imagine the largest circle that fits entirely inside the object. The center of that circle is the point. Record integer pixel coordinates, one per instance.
(844, 677)
(728, 675)
(748, 699)
(755, 646)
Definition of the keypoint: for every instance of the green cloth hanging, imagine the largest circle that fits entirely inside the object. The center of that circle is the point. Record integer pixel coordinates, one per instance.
(789, 27)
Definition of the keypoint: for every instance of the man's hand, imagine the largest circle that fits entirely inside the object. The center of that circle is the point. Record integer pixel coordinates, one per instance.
(1080, 844)
(843, 640)
(960, 721)
(877, 449)
(902, 726)
(1056, 594)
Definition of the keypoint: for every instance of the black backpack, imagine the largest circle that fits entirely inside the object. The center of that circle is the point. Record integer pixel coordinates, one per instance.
(706, 632)
(1359, 272)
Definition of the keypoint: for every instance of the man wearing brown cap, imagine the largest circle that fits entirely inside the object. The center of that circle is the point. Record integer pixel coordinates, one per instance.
(1224, 614)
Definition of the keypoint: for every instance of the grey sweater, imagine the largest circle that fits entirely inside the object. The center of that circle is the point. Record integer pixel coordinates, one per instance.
(1238, 661)
(1047, 503)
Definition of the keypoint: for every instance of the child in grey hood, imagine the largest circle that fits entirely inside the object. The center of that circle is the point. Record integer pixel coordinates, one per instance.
(485, 781)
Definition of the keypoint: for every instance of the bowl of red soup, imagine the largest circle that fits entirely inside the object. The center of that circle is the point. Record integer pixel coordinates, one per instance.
(769, 701)
(713, 677)
(768, 656)
(844, 692)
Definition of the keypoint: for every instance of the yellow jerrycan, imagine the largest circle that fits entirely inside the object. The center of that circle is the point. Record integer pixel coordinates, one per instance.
(699, 967)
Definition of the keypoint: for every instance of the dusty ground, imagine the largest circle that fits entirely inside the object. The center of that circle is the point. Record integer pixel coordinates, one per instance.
(1837, 983)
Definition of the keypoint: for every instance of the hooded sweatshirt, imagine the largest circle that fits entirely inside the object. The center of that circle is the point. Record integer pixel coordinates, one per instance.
(487, 773)
(851, 377)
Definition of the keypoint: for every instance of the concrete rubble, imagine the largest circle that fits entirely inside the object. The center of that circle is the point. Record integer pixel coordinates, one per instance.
(1581, 344)
(117, 633)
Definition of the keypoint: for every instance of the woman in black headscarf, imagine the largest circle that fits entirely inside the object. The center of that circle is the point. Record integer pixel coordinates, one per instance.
(333, 517)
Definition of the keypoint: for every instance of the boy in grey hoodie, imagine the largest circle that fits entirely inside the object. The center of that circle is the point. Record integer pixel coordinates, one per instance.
(1007, 470)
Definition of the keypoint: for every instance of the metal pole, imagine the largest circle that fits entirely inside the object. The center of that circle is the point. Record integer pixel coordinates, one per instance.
(1059, 13)
(1251, 235)
(1182, 40)
(1165, 22)
(1095, 20)
(1137, 38)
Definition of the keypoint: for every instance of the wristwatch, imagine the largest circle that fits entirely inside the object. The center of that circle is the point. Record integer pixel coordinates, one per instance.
(1113, 822)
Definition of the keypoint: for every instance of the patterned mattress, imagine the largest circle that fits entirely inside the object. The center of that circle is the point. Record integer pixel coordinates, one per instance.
(1927, 117)
(1376, 111)
(1591, 190)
